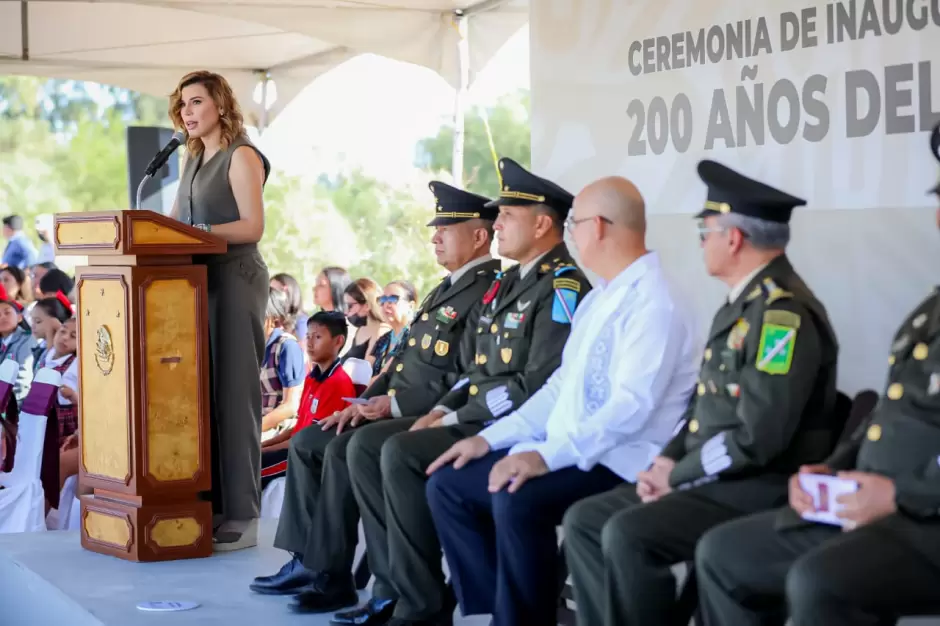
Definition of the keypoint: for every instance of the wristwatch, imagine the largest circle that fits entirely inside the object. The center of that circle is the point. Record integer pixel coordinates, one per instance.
(205, 227)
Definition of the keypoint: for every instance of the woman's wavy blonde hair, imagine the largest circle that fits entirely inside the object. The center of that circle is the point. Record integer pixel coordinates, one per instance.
(231, 120)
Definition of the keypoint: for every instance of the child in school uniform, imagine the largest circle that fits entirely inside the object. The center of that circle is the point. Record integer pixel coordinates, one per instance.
(48, 315)
(62, 358)
(283, 368)
(324, 389)
(16, 343)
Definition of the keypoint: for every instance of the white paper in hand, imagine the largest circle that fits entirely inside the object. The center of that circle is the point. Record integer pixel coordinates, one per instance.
(826, 490)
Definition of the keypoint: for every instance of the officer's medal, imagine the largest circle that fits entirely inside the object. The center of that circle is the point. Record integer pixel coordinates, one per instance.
(738, 333)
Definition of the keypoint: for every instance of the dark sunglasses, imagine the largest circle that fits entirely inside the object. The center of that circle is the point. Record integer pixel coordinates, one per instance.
(389, 299)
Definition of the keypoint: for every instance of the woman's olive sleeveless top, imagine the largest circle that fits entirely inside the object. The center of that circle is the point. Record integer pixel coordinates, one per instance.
(205, 194)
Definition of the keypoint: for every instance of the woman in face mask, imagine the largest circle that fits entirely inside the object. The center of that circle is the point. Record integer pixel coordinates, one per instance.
(365, 316)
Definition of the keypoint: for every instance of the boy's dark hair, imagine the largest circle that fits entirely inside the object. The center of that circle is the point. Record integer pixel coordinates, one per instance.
(56, 280)
(333, 321)
(13, 222)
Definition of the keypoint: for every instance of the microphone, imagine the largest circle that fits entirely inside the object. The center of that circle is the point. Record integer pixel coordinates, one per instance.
(164, 155)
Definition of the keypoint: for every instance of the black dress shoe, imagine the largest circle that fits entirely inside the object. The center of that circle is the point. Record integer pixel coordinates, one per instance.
(376, 612)
(290, 579)
(326, 594)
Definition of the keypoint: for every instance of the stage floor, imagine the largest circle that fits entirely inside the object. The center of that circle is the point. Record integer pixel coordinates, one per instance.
(48, 579)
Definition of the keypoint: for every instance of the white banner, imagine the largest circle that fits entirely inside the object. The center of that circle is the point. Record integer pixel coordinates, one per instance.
(829, 100)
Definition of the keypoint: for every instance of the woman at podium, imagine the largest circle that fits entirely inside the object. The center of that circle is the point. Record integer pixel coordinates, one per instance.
(220, 192)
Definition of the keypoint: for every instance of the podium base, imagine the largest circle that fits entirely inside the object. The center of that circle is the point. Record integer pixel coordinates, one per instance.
(135, 531)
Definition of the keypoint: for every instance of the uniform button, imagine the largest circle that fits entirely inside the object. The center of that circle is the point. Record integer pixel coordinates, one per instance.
(399, 367)
(722, 367)
(506, 335)
(494, 329)
(474, 390)
(693, 426)
(481, 359)
(920, 351)
(891, 360)
(479, 330)
(874, 432)
(412, 341)
(424, 317)
(701, 389)
(708, 354)
(895, 391)
(391, 393)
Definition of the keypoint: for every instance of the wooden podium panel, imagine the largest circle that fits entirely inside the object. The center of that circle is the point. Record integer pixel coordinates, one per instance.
(143, 352)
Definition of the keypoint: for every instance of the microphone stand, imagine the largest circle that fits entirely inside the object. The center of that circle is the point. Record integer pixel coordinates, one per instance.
(140, 189)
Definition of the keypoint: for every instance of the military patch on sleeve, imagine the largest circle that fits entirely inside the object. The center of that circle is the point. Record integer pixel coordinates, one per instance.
(564, 304)
(777, 340)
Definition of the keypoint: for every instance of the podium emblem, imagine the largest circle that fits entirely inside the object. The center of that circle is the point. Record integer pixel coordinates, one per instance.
(104, 350)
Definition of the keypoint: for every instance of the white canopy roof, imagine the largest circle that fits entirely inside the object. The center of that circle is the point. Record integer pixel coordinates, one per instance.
(148, 45)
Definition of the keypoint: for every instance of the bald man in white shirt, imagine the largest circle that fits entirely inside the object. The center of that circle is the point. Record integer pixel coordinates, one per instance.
(627, 372)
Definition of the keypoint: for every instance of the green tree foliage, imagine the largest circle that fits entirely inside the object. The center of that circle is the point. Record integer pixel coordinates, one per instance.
(509, 125)
(63, 148)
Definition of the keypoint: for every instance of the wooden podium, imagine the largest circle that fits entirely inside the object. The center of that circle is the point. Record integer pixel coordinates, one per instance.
(143, 348)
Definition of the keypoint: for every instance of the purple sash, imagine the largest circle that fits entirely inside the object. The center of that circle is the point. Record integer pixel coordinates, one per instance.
(41, 401)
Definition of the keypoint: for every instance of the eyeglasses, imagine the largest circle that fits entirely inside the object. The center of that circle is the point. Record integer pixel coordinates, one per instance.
(570, 222)
(703, 230)
(389, 299)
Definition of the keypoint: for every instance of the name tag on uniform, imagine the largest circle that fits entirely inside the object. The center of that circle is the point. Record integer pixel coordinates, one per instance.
(314, 405)
(514, 320)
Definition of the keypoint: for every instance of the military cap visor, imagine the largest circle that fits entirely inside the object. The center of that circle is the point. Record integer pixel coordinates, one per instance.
(523, 188)
(453, 206)
(935, 148)
(731, 192)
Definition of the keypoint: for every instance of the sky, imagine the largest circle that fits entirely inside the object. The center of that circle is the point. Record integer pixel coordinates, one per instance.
(371, 111)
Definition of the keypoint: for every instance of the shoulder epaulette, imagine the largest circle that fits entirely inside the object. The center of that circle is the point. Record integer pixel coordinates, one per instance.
(564, 268)
(774, 291)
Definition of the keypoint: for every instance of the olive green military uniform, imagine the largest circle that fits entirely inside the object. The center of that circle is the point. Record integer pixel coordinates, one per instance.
(319, 515)
(516, 346)
(763, 406)
(750, 569)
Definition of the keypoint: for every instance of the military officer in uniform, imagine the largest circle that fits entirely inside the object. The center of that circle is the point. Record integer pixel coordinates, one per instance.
(763, 405)
(885, 562)
(318, 522)
(524, 320)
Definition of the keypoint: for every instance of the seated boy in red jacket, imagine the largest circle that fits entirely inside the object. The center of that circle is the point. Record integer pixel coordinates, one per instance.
(324, 388)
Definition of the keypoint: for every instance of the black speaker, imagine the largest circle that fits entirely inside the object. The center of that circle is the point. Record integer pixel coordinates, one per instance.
(143, 143)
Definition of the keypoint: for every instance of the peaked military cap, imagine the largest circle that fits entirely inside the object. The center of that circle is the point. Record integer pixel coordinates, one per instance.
(521, 187)
(935, 148)
(731, 192)
(456, 205)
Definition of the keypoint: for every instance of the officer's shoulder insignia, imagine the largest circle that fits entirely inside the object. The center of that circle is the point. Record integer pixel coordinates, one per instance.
(777, 340)
(755, 294)
(774, 291)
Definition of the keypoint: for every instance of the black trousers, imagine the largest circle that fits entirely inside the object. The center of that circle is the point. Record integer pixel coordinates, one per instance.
(502, 548)
(749, 571)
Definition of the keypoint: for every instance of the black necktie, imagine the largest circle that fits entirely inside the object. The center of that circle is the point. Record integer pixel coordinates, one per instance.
(445, 285)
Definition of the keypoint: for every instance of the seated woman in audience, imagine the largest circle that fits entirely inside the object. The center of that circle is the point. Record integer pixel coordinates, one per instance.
(54, 281)
(328, 295)
(282, 371)
(289, 285)
(365, 316)
(324, 389)
(398, 303)
(17, 344)
(48, 315)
